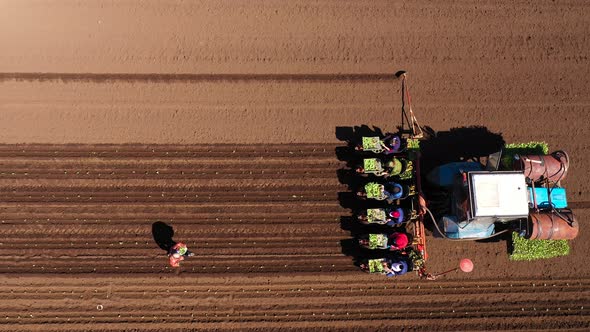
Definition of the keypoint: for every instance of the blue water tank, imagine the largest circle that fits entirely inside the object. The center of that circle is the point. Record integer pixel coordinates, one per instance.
(542, 195)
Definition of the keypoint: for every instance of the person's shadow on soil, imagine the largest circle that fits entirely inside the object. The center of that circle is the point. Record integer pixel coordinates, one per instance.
(163, 234)
(351, 248)
(353, 136)
(356, 228)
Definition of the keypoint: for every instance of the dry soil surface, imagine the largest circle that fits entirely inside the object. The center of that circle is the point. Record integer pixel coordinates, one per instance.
(220, 118)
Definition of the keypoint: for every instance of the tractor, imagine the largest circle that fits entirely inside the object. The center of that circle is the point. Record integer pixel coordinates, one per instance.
(513, 191)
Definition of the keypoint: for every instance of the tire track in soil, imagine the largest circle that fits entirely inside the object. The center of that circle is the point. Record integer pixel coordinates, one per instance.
(256, 266)
(169, 78)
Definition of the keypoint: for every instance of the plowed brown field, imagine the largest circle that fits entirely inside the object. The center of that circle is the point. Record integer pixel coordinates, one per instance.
(219, 118)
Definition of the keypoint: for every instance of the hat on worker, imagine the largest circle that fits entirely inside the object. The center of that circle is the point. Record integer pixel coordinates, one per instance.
(397, 214)
(400, 267)
(399, 240)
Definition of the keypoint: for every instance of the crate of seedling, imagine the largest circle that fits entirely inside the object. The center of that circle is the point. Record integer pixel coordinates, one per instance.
(376, 265)
(377, 241)
(372, 144)
(374, 190)
(372, 165)
(375, 215)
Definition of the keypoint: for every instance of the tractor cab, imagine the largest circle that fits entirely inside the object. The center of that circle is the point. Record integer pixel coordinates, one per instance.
(528, 198)
(480, 199)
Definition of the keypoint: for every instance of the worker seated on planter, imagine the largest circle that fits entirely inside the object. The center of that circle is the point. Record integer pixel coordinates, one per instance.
(390, 267)
(393, 191)
(391, 144)
(396, 268)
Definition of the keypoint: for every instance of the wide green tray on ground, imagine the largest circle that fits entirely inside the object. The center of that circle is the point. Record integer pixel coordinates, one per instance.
(524, 249)
(528, 250)
(521, 148)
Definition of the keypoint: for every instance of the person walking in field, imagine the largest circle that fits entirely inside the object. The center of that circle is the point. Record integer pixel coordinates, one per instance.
(177, 254)
(176, 251)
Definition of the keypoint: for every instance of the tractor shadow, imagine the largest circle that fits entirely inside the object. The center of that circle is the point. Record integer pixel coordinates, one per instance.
(458, 144)
(163, 234)
(474, 143)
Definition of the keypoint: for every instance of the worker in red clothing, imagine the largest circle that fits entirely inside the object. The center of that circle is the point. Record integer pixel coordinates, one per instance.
(393, 242)
(398, 241)
(177, 254)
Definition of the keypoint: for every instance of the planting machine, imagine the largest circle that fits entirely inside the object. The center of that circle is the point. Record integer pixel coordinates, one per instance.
(466, 200)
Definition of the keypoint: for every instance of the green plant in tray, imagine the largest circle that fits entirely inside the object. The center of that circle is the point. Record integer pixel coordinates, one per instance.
(521, 148)
(371, 143)
(413, 147)
(408, 173)
(373, 189)
(376, 265)
(416, 258)
(377, 241)
(413, 144)
(375, 214)
(372, 165)
(528, 250)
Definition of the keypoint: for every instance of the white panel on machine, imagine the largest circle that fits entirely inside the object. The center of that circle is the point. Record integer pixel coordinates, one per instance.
(498, 194)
